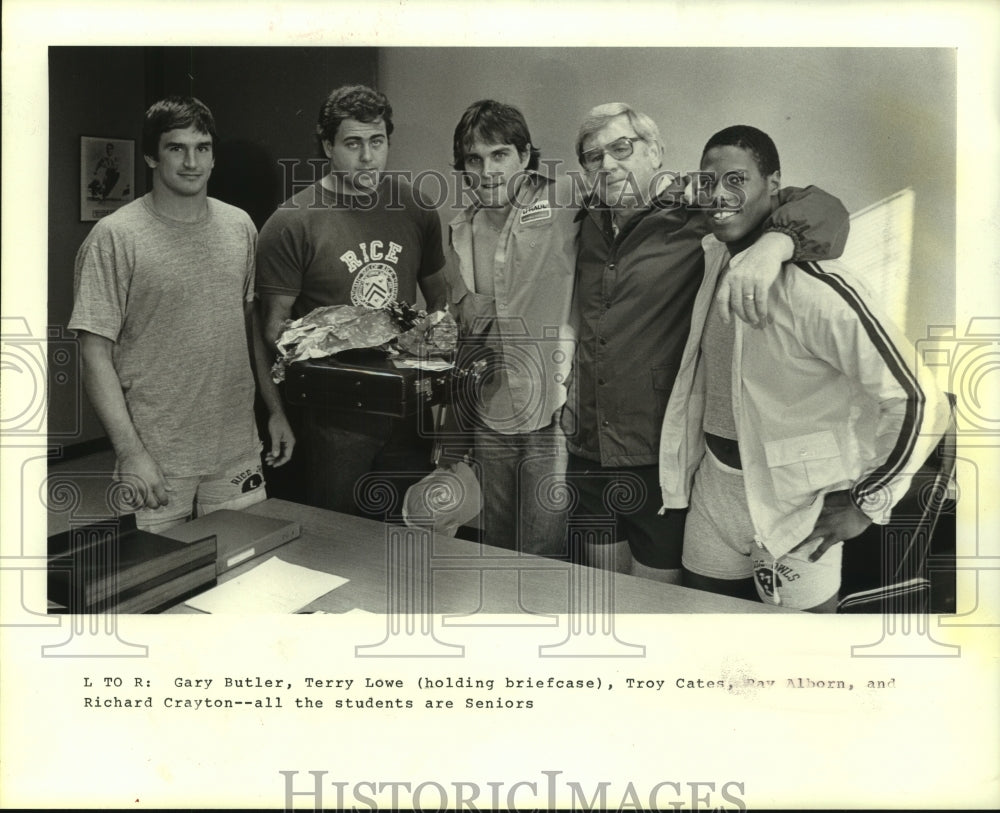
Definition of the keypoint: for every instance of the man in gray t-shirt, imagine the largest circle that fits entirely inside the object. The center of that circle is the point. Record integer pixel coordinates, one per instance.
(164, 311)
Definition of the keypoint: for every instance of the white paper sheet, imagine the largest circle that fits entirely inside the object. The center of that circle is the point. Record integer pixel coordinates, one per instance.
(275, 586)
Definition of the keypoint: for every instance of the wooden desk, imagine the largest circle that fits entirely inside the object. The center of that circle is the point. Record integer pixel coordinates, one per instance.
(398, 569)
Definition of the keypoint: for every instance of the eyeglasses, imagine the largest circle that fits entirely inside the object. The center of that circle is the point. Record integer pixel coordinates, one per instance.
(618, 149)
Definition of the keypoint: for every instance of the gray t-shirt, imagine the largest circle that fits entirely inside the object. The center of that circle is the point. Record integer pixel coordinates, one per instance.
(171, 294)
(717, 342)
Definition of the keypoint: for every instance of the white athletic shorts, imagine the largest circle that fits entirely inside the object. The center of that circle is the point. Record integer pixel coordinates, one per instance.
(719, 543)
(236, 485)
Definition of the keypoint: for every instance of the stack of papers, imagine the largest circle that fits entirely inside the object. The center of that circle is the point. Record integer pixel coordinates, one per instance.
(272, 587)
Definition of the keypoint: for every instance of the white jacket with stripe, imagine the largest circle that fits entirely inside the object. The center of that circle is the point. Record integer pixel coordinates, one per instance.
(831, 396)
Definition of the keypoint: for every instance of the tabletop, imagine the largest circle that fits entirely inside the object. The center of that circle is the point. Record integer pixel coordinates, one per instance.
(397, 569)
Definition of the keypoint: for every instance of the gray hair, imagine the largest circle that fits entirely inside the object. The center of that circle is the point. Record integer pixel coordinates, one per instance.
(599, 116)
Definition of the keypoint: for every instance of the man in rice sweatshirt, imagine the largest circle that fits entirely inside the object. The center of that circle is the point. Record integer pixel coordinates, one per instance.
(364, 237)
(787, 439)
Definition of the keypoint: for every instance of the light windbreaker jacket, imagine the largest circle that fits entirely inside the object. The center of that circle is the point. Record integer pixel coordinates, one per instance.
(528, 315)
(831, 396)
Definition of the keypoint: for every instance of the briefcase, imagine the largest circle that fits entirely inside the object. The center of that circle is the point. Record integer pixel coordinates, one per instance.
(365, 382)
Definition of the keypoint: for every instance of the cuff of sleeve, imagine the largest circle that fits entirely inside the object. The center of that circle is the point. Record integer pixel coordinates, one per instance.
(877, 505)
(796, 241)
(105, 332)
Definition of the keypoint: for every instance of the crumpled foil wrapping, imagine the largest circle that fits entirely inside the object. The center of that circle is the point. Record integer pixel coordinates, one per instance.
(333, 329)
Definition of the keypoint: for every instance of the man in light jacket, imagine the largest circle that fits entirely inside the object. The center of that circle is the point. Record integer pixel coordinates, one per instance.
(639, 265)
(512, 255)
(789, 439)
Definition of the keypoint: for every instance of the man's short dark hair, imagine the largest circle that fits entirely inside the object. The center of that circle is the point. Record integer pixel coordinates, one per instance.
(356, 102)
(175, 113)
(492, 123)
(756, 142)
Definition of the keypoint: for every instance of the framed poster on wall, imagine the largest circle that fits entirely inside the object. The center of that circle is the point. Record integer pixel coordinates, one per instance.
(107, 175)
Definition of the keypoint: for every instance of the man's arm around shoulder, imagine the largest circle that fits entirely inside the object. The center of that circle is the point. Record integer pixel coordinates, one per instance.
(809, 224)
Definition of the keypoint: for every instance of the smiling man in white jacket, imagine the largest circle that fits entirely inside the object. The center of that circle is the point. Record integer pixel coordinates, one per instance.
(787, 439)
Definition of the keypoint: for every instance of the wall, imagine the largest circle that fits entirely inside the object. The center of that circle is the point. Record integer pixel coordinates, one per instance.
(92, 91)
(861, 123)
(265, 102)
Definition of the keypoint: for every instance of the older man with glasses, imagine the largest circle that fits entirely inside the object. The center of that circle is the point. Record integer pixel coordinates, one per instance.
(639, 266)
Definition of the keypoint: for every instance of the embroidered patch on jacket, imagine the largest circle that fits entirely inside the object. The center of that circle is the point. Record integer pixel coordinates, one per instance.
(537, 211)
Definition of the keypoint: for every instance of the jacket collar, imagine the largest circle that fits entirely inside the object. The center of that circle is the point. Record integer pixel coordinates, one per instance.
(672, 192)
(534, 181)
